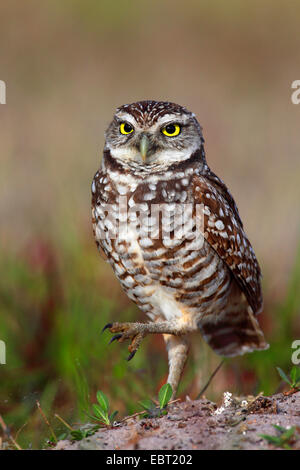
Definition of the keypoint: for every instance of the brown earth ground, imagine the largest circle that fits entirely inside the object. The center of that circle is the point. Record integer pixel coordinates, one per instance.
(200, 424)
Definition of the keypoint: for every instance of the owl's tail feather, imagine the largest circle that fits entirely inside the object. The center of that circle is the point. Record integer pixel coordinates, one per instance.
(233, 332)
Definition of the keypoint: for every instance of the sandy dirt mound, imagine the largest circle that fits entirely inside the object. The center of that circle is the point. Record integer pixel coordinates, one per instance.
(200, 424)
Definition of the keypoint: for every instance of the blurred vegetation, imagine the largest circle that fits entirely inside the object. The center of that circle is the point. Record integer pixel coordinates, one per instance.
(67, 65)
(54, 302)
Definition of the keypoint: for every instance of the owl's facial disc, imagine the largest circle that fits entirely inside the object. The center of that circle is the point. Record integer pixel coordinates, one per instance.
(168, 138)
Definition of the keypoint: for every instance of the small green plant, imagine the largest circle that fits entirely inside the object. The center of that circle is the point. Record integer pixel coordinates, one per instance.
(101, 410)
(154, 411)
(294, 379)
(81, 433)
(285, 437)
(51, 442)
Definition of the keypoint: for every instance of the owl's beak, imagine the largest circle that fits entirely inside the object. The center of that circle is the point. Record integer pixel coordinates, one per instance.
(144, 145)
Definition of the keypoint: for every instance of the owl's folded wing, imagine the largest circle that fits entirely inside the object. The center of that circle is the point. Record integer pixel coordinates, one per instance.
(223, 230)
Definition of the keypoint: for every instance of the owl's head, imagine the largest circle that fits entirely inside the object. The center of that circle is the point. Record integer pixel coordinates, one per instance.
(150, 132)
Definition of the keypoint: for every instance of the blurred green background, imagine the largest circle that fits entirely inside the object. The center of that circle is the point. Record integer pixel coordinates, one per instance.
(67, 66)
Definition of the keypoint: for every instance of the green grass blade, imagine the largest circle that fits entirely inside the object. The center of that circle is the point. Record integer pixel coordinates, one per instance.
(101, 414)
(283, 376)
(164, 395)
(102, 400)
(112, 416)
(295, 376)
(147, 404)
(272, 439)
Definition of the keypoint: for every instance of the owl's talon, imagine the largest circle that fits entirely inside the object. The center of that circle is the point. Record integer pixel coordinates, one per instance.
(109, 325)
(131, 355)
(127, 331)
(115, 337)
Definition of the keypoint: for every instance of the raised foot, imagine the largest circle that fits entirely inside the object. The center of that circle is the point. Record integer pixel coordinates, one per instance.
(134, 331)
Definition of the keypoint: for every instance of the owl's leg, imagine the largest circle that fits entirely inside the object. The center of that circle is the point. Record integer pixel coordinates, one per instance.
(177, 347)
(137, 331)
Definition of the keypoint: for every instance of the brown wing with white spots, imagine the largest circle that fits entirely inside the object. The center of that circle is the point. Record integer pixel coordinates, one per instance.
(223, 229)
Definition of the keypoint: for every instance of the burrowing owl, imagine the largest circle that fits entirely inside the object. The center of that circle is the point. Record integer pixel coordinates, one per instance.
(172, 233)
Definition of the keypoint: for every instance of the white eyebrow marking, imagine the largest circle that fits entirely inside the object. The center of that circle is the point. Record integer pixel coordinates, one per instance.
(172, 117)
(127, 117)
(168, 118)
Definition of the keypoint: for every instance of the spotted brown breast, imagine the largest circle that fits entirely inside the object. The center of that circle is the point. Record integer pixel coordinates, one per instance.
(177, 245)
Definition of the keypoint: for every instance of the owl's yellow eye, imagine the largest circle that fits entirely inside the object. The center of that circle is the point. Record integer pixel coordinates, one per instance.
(171, 130)
(125, 128)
